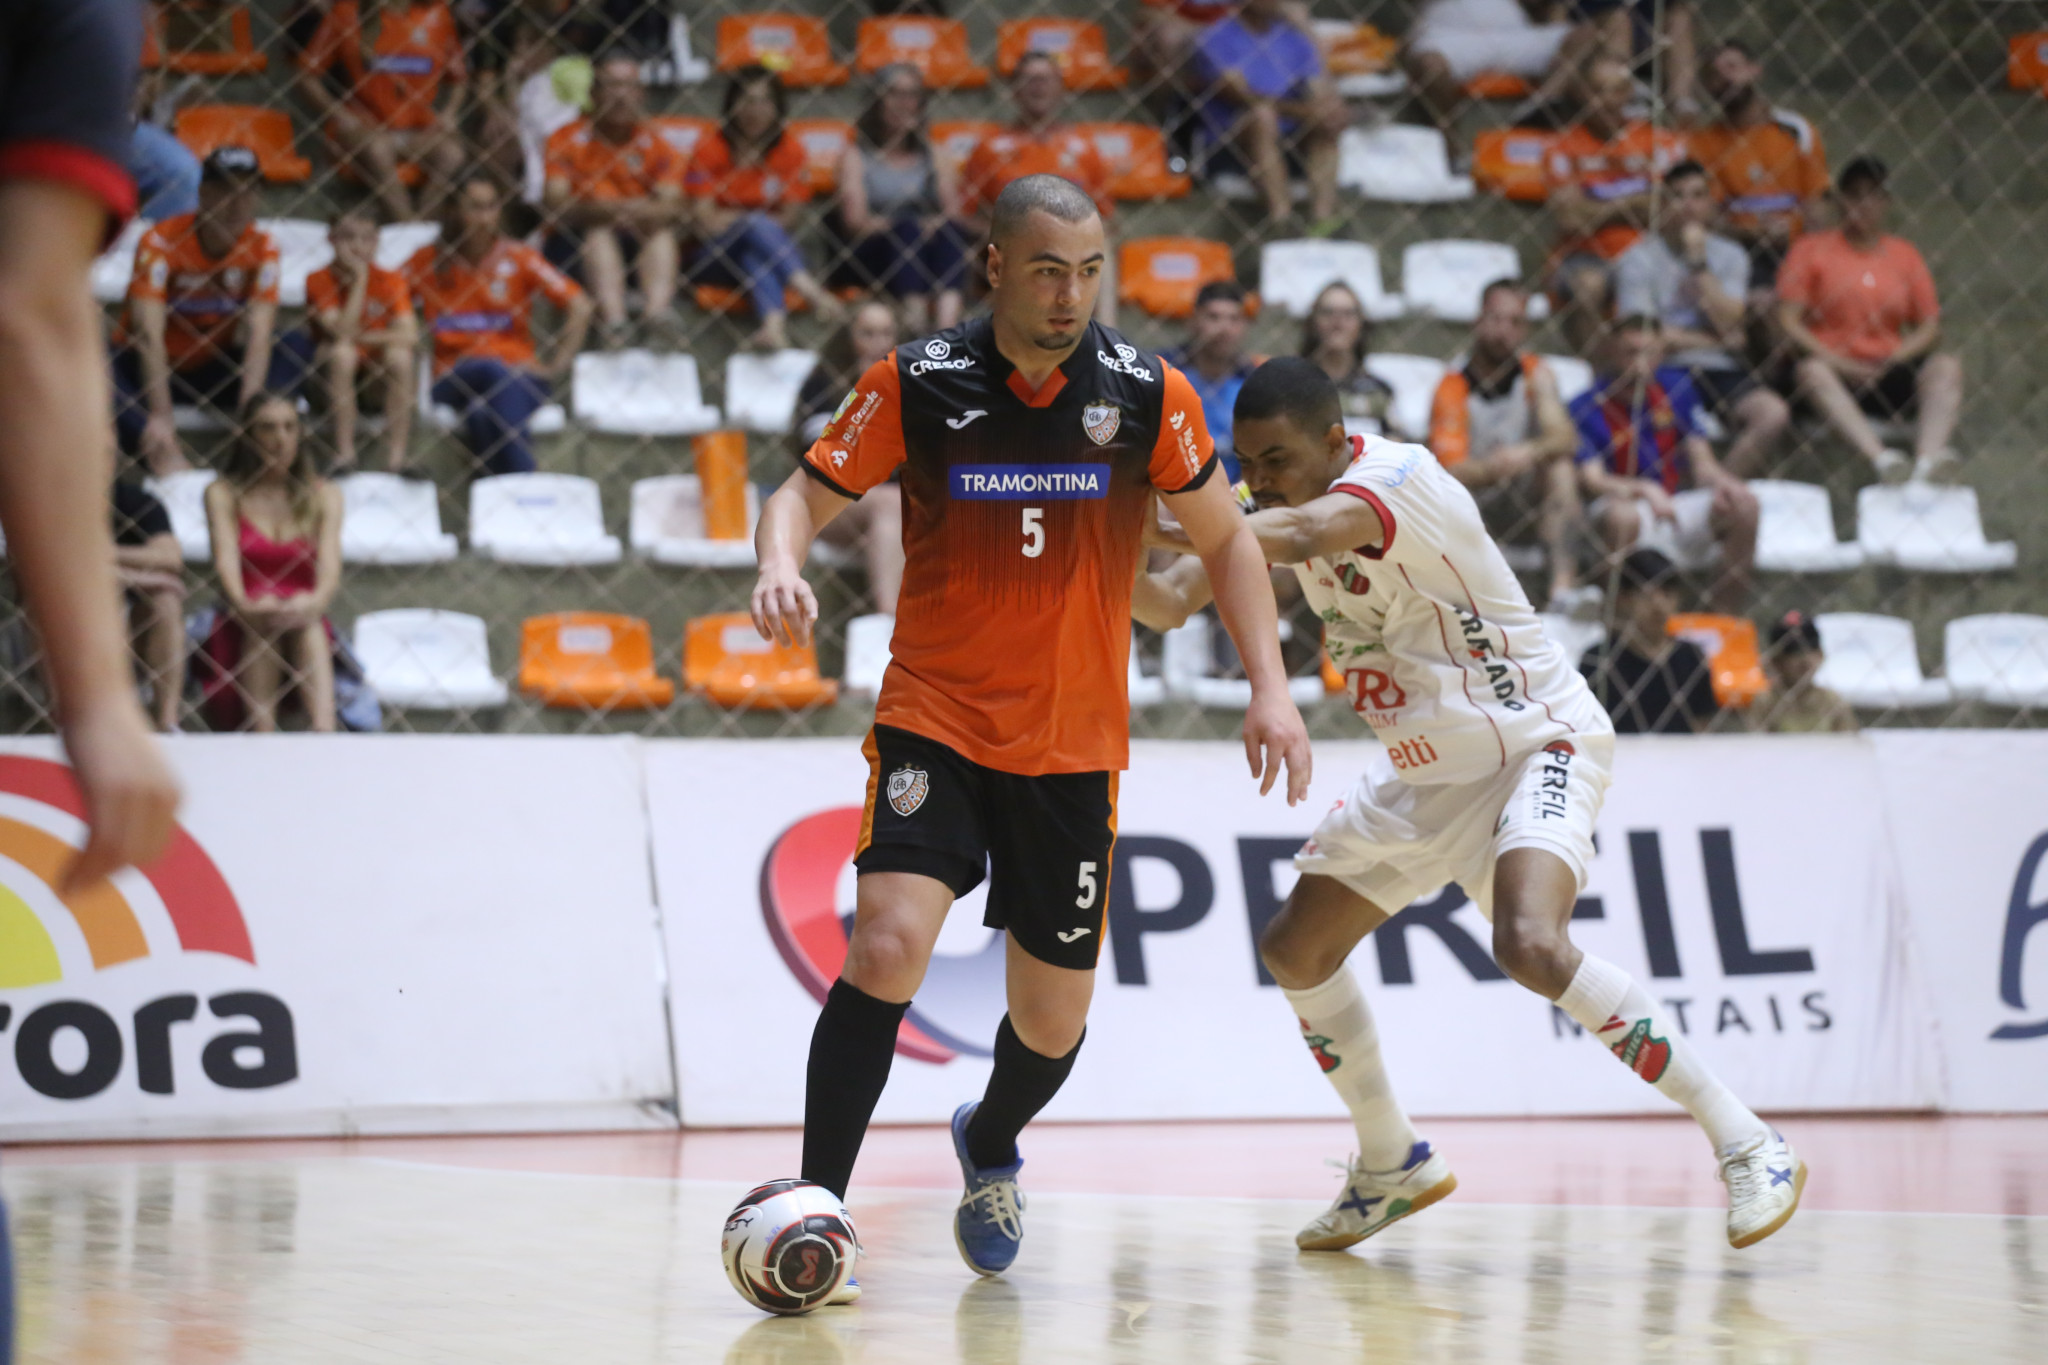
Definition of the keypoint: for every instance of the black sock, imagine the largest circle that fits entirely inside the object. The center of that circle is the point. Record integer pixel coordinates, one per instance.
(1023, 1083)
(851, 1048)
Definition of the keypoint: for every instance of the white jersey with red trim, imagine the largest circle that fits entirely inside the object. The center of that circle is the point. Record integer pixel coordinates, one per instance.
(1441, 652)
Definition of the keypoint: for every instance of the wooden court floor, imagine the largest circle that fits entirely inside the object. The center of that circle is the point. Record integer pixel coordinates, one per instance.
(1568, 1241)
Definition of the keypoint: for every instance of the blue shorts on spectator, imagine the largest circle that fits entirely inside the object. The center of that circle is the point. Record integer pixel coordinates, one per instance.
(496, 402)
(214, 383)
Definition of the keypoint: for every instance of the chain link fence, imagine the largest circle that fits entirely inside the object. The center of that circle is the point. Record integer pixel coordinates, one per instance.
(1442, 163)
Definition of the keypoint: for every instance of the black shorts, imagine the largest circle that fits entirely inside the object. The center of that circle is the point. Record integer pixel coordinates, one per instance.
(1721, 390)
(1894, 393)
(67, 79)
(1043, 842)
(1764, 260)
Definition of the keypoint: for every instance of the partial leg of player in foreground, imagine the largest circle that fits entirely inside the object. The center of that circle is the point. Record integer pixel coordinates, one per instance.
(1497, 763)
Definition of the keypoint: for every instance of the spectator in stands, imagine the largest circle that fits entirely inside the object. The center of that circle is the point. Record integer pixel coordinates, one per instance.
(1650, 475)
(1650, 682)
(875, 523)
(202, 315)
(476, 290)
(374, 73)
(1499, 425)
(1859, 308)
(1215, 362)
(615, 193)
(1696, 283)
(1602, 172)
(1039, 142)
(1336, 335)
(364, 331)
(898, 215)
(1269, 98)
(749, 180)
(1650, 36)
(276, 529)
(1769, 169)
(152, 574)
(1453, 41)
(1799, 705)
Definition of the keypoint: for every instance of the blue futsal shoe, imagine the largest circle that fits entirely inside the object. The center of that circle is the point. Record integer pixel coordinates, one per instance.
(989, 1224)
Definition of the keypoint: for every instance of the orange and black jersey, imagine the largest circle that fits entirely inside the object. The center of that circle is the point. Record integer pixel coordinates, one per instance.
(1022, 518)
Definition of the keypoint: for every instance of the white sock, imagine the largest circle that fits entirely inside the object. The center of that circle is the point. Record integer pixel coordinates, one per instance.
(1608, 1003)
(1337, 1026)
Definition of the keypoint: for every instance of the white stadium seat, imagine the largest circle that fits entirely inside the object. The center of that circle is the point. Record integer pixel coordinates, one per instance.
(1401, 163)
(432, 660)
(398, 243)
(1445, 279)
(1145, 688)
(761, 390)
(1873, 661)
(1574, 376)
(1932, 529)
(667, 525)
(302, 248)
(867, 653)
(552, 519)
(1796, 530)
(1291, 274)
(2000, 657)
(387, 519)
(640, 393)
(115, 267)
(1188, 671)
(184, 498)
(1572, 635)
(1414, 379)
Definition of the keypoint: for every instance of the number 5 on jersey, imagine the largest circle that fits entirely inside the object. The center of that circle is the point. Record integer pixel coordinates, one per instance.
(1034, 532)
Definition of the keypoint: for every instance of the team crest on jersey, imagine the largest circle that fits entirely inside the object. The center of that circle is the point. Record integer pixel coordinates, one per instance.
(908, 788)
(1100, 421)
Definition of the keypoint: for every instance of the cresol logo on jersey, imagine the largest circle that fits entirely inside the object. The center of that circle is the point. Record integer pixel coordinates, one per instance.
(1761, 991)
(1030, 482)
(73, 1049)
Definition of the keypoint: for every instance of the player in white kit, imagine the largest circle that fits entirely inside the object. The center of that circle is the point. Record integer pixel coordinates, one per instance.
(1498, 758)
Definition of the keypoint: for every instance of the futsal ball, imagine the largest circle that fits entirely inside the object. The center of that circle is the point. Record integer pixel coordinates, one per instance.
(789, 1246)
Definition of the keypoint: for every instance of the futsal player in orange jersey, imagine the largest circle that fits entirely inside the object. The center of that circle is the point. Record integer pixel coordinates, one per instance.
(1031, 443)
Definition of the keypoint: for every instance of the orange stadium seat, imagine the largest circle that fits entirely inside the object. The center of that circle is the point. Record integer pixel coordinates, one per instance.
(681, 131)
(266, 132)
(954, 140)
(937, 47)
(1498, 85)
(1509, 162)
(591, 660)
(795, 47)
(187, 38)
(726, 660)
(1135, 154)
(1730, 646)
(2026, 61)
(1359, 51)
(1162, 275)
(824, 141)
(1076, 44)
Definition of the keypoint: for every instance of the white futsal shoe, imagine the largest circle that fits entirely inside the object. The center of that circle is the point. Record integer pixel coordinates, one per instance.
(1371, 1200)
(1764, 1179)
(845, 1294)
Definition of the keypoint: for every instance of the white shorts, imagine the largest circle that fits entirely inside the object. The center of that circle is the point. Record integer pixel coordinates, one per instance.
(1393, 843)
(1526, 51)
(1688, 541)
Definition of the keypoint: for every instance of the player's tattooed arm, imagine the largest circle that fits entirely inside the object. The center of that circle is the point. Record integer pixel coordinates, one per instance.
(785, 609)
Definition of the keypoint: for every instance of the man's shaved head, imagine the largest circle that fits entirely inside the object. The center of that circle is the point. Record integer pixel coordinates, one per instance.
(1029, 194)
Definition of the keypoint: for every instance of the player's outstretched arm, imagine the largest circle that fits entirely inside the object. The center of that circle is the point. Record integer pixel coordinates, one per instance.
(1329, 525)
(1165, 600)
(1273, 732)
(785, 608)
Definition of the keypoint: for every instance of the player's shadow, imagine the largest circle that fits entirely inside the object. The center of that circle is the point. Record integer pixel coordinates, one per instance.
(806, 1340)
(988, 1324)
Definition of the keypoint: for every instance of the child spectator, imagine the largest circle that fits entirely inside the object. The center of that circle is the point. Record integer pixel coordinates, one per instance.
(476, 290)
(874, 524)
(373, 74)
(1769, 169)
(615, 191)
(1215, 362)
(202, 315)
(1268, 97)
(1858, 306)
(1651, 477)
(1650, 683)
(749, 181)
(898, 215)
(1798, 705)
(364, 331)
(1336, 335)
(152, 573)
(276, 529)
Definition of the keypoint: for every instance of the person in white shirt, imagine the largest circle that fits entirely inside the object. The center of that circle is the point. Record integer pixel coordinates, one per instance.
(1497, 760)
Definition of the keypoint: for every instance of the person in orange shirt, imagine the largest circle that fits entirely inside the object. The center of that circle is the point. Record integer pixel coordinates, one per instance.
(202, 315)
(1603, 172)
(615, 189)
(362, 322)
(1770, 170)
(1859, 307)
(1039, 142)
(373, 74)
(748, 180)
(476, 291)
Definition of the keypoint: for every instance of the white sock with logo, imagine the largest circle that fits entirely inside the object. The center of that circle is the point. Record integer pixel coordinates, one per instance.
(1337, 1025)
(1609, 1004)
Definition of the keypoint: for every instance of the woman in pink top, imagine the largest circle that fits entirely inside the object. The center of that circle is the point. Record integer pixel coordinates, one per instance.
(277, 548)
